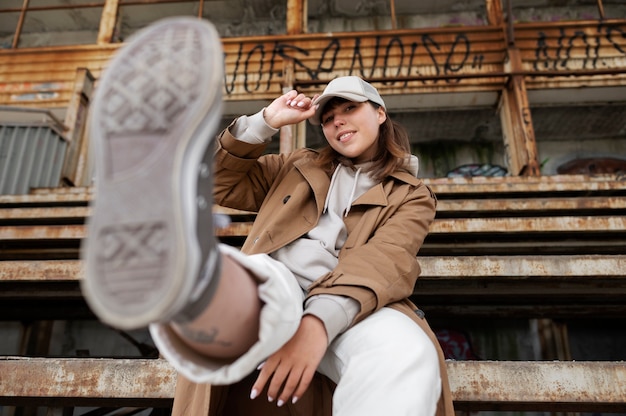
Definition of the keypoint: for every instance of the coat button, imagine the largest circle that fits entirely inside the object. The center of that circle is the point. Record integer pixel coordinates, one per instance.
(285, 199)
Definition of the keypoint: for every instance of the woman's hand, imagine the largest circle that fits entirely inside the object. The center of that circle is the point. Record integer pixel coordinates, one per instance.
(293, 365)
(289, 108)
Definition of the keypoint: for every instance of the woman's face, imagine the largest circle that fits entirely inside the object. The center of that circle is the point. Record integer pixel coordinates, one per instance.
(352, 129)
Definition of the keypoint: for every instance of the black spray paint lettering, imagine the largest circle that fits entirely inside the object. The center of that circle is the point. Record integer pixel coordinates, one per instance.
(259, 66)
(558, 55)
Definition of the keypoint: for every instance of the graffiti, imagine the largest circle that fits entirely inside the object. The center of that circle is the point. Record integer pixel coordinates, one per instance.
(476, 169)
(256, 66)
(556, 53)
(398, 59)
(456, 345)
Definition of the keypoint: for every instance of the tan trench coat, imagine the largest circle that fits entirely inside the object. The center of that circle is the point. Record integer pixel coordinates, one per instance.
(288, 192)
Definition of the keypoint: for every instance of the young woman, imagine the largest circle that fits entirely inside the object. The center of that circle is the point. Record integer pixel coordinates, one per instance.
(322, 282)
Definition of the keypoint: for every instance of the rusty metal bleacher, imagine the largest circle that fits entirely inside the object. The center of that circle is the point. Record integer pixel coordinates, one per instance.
(517, 246)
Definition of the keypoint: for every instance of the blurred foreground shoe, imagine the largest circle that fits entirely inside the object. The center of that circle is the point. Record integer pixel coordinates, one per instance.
(150, 254)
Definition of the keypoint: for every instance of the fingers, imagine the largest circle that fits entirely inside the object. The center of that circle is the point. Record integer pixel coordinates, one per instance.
(305, 381)
(287, 383)
(290, 108)
(295, 386)
(299, 101)
(261, 380)
(281, 374)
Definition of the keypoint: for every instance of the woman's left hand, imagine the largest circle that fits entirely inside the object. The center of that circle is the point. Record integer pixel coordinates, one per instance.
(293, 366)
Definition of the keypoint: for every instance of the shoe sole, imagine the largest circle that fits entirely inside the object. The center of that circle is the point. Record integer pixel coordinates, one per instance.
(154, 114)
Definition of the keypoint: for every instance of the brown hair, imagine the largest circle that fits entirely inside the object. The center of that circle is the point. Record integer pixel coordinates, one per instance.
(392, 154)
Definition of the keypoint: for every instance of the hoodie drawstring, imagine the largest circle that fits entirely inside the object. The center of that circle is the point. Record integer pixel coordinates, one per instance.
(331, 188)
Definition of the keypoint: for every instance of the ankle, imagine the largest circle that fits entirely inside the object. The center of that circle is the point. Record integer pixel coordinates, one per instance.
(205, 290)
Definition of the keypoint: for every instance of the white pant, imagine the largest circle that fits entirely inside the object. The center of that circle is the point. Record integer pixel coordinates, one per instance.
(385, 364)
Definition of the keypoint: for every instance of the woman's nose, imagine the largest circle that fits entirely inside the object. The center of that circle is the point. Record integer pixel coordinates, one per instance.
(339, 121)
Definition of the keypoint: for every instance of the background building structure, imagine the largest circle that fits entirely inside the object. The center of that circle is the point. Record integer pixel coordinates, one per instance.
(485, 88)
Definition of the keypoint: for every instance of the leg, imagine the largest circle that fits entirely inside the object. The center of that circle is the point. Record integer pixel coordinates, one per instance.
(229, 325)
(385, 364)
(281, 309)
(151, 258)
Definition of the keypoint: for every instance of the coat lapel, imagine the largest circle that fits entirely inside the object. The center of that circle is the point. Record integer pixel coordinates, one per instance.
(317, 179)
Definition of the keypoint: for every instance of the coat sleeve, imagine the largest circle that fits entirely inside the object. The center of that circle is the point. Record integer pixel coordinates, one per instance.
(242, 174)
(382, 268)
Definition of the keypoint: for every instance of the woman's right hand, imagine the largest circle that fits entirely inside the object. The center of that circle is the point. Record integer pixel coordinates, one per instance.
(290, 108)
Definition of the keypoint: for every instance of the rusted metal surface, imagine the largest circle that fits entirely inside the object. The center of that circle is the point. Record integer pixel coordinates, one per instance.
(235, 229)
(43, 232)
(75, 169)
(544, 385)
(142, 381)
(462, 267)
(44, 77)
(107, 22)
(39, 270)
(48, 196)
(320, 57)
(481, 384)
(499, 186)
(297, 13)
(534, 225)
(519, 135)
(564, 224)
(421, 60)
(524, 185)
(44, 213)
(433, 268)
(520, 205)
(564, 46)
(495, 16)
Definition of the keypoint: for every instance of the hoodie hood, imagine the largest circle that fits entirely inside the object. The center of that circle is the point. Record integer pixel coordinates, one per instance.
(414, 165)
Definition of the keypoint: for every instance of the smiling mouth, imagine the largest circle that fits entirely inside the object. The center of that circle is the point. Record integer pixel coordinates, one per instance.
(345, 136)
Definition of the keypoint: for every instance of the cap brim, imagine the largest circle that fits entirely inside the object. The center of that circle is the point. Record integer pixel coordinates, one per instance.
(321, 101)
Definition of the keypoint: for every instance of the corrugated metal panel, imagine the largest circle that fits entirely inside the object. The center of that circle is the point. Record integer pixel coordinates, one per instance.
(31, 156)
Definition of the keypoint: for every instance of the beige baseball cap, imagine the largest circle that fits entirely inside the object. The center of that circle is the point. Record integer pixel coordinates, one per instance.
(351, 88)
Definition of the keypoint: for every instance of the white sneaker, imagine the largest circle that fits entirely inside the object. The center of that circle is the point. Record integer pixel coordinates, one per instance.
(150, 254)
